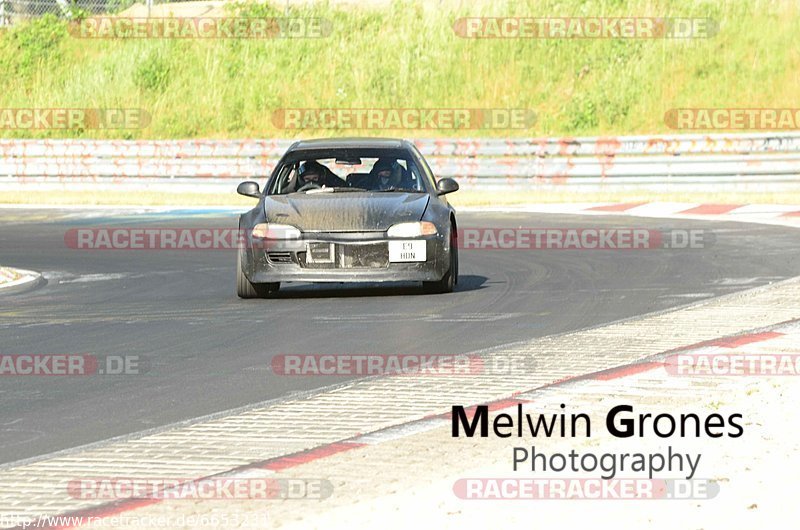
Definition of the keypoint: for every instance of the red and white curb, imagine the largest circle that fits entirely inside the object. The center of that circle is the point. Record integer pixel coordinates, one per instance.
(728, 346)
(776, 214)
(773, 338)
(15, 280)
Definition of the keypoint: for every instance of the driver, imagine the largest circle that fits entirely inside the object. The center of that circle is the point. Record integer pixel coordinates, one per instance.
(385, 174)
(313, 174)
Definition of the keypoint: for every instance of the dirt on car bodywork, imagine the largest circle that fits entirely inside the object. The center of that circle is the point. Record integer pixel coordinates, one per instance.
(343, 233)
(345, 212)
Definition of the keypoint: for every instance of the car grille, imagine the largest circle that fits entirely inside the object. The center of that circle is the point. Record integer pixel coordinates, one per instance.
(364, 256)
(280, 257)
(370, 256)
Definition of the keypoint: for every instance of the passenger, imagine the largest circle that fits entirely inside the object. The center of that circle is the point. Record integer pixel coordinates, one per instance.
(312, 174)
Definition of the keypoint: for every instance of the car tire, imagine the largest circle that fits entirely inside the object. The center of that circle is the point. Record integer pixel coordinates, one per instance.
(450, 278)
(246, 289)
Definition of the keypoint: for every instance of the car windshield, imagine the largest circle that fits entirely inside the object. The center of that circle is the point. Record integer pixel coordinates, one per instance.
(348, 171)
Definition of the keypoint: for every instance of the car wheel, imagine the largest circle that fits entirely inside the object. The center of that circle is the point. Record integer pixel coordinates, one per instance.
(246, 289)
(450, 278)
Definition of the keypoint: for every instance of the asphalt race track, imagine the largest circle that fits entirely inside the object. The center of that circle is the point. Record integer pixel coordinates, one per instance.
(207, 351)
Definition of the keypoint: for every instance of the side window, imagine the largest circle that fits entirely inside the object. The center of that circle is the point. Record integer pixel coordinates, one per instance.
(415, 176)
(283, 182)
(426, 169)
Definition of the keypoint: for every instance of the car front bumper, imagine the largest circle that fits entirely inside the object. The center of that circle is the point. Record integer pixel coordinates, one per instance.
(355, 257)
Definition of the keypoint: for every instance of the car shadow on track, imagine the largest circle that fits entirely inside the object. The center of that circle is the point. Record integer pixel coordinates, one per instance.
(465, 283)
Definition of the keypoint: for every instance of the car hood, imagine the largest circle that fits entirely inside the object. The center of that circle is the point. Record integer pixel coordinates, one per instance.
(345, 212)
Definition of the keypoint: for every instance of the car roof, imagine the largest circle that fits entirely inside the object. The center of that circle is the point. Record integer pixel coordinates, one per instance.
(349, 143)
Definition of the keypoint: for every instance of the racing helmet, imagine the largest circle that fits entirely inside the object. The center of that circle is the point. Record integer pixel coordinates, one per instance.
(311, 167)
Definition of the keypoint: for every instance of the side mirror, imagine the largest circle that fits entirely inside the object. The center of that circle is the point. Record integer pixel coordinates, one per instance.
(445, 186)
(249, 189)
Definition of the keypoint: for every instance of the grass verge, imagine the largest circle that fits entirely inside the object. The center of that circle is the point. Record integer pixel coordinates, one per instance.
(408, 56)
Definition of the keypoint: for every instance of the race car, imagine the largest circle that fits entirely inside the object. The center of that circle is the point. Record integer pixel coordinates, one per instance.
(348, 210)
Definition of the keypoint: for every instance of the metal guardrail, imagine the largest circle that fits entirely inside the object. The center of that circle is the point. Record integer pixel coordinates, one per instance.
(554, 168)
(565, 146)
(618, 145)
(763, 161)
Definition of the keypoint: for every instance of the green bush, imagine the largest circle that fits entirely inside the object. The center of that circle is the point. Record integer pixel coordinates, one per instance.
(33, 46)
(152, 73)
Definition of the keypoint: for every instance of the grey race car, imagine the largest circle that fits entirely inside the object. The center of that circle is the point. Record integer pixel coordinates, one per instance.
(348, 210)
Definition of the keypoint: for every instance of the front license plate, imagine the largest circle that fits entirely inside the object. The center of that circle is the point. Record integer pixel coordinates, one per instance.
(405, 251)
(320, 253)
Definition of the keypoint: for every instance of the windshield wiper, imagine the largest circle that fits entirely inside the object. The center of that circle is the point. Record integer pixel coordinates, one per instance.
(406, 190)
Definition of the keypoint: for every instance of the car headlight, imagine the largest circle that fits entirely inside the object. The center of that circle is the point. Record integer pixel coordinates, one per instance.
(421, 228)
(273, 231)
